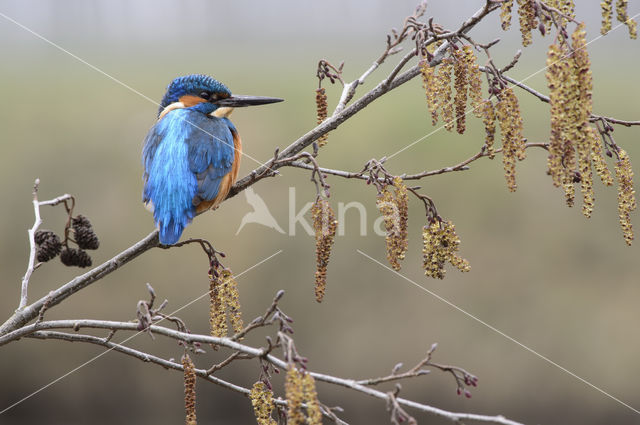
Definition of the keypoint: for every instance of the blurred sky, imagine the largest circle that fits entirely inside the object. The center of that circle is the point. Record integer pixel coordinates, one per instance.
(564, 285)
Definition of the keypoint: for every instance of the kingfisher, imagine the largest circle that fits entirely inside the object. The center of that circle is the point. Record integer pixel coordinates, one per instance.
(191, 156)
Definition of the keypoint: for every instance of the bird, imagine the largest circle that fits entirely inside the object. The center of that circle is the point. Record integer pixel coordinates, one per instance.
(191, 155)
(260, 213)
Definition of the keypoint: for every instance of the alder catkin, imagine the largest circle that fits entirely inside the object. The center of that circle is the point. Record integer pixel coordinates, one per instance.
(189, 390)
(325, 226)
(528, 20)
(440, 245)
(623, 16)
(626, 194)
(395, 212)
(474, 77)
(605, 7)
(224, 303)
(321, 110)
(460, 84)
(430, 88)
(262, 402)
(505, 14)
(507, 111)
(444, 92)
(489, 121)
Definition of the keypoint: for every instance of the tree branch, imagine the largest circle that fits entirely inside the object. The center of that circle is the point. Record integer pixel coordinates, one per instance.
(40, 331)
(462, 166)
(335, 120)
(25, 315)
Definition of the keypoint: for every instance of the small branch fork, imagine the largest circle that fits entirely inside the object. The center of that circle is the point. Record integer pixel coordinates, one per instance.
(207, 247)
(462, 377)
(322, 187)
(32, 266)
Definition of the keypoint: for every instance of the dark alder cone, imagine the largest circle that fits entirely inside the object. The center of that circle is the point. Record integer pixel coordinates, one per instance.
(48, 250)
(80, 221)
(75, 257)
(43, 235)
(48, 245)
(85, 236)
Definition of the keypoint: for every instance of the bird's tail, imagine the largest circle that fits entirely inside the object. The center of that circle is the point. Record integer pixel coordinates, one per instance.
(170, 231)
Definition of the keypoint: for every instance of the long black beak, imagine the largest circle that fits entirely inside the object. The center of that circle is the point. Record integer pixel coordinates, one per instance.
(237, 101)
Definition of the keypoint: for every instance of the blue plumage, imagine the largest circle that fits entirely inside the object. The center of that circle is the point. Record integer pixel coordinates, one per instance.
(188, 155)
(185, 156)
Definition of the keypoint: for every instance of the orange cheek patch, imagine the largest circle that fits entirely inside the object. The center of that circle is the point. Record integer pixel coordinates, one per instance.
(190, 100)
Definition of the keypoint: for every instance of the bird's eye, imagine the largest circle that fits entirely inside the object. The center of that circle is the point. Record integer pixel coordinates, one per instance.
(205, 95)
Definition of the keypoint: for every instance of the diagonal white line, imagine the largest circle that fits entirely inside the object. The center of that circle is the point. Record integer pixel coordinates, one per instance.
(91, 360)
(513, 85)
(117, 81)
(499, 332)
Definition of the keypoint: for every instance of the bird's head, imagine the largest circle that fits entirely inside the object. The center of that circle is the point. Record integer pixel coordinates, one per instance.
(209, 93)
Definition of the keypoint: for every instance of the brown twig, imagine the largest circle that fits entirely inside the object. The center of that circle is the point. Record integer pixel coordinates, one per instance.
(462, 166)
(264, 320)
(225, 362)
(321, 182)
(398, 414)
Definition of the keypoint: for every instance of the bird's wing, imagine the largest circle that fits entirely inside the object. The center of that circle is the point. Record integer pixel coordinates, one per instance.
(185, 156)
(211, 155)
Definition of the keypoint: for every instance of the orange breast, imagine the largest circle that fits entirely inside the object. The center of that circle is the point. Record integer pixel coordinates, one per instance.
(228, 180)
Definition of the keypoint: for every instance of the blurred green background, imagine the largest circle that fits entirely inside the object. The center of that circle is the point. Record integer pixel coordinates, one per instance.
(565, 286)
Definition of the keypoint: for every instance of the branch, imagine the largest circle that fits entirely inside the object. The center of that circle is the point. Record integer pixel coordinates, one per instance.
(25, 315)
(32, 243)
(145, 357)
(40, 331)
(462, 166)
(335, 120)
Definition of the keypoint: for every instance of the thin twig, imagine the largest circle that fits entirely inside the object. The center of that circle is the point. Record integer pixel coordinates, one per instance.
(32, 247)
(32, 243)
(261, 320)
(462, 166)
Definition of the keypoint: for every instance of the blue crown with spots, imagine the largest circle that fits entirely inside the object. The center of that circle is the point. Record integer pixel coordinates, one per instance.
(191, 84)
